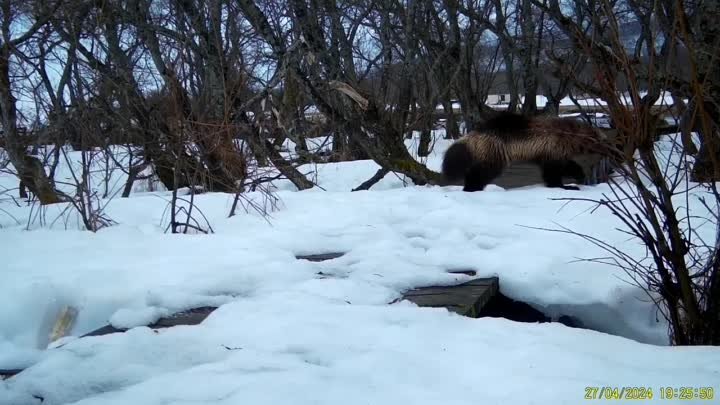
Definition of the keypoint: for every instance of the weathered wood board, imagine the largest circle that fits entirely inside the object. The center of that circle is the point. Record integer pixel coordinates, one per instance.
(521, 174)
(105, 330)
(192, 316)
(467, 272)
(7, 373)
(320, 257)
(465, 299)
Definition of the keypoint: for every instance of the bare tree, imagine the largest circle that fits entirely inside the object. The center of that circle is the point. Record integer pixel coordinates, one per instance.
(681, 268)
(327, 70)
(29, 169)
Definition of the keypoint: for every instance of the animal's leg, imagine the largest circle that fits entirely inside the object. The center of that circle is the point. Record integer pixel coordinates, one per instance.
(481, 174)
(457, 161)
(552, 173)
(574, 170)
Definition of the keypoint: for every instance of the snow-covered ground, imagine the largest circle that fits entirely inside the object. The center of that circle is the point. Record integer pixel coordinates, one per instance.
(285, 334)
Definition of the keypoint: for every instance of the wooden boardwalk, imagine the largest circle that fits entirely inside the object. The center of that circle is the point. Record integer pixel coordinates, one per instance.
(320, 257)
(466, 299)
(7, 373)
(192, 316)
(522, 174)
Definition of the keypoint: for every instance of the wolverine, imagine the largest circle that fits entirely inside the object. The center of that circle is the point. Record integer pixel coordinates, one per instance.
(549, 142)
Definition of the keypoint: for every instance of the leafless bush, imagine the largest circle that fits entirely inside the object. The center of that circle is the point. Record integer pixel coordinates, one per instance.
(259, 186)
(185, 215)
(651, 195)
(87, 201)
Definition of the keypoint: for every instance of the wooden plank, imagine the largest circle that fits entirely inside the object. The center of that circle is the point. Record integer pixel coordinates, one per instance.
(465, 299)
(192, 316)
(320, 257)
(7, 373)
(521, 174)
(467, 272)
(105, 330)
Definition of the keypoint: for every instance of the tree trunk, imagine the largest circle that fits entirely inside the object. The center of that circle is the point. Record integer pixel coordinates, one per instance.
(685, 125)
(265, 149)
(426, 130)
(425, 140)
(287, 169)
(529, 67)
(225, 165)
(133, 172)
(510, 77)
(389, 151)
(705, 170)
(355, 150)
(29, 168)
(707, 161)
(552, 107)
(301, 148)
(339, 146)
(452, 131)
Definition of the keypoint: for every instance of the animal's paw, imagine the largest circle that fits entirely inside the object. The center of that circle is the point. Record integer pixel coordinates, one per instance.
(575, 188)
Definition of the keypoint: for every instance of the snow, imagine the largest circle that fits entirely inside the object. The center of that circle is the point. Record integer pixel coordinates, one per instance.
(331, 352)
(284, 333)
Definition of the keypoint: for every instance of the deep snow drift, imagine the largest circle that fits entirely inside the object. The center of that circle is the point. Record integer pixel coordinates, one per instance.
(287, 335)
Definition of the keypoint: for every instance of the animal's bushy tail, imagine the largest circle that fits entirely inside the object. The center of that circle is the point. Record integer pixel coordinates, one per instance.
(456, 162)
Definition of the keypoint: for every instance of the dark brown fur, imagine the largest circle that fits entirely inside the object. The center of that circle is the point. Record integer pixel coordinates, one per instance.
(550, 142)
